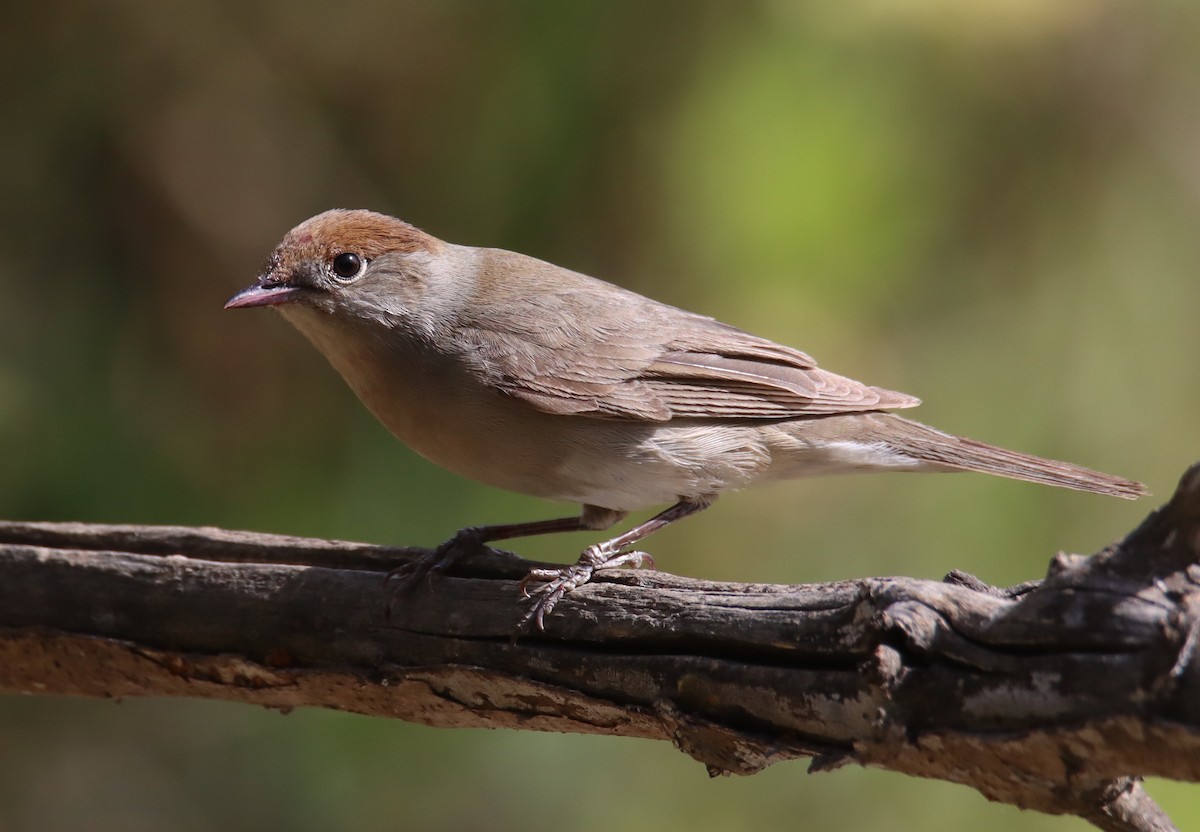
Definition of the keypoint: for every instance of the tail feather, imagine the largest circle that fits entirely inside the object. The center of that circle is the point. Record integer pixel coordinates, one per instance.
(959, 453)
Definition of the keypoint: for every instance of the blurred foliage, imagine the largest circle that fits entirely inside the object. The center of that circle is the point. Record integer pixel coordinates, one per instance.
(993, 206)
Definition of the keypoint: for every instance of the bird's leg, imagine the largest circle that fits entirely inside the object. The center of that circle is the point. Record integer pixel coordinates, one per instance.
(607, 555)
(472, 538)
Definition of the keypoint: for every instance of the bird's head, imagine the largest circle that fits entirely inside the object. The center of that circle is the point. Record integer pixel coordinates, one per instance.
(349, 264)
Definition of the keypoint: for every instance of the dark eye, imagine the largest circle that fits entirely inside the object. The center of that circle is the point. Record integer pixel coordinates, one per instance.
(347, 265)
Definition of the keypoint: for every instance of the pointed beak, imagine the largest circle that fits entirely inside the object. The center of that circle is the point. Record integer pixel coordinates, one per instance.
(267, 291)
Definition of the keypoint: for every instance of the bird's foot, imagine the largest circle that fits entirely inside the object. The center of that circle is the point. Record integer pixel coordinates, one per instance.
(405, 577)
(557, 583)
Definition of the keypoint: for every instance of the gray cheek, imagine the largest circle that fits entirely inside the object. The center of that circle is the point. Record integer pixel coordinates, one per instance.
(451, 280)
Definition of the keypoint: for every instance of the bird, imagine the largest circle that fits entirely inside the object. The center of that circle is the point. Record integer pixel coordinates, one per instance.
(530, 377)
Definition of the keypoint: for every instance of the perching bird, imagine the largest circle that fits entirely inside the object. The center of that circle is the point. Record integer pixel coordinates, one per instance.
(530, 377)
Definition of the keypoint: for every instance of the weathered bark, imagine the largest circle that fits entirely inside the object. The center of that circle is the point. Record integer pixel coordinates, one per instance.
(1056, 696)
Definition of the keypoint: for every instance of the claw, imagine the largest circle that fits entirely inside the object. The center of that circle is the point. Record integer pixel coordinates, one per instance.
(547, 575)
(558, 583)
(408, 575)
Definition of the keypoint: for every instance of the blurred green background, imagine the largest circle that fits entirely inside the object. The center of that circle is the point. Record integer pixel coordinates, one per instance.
(992, 206)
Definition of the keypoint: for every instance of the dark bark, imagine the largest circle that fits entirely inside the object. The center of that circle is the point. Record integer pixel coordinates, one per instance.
(1058, 695)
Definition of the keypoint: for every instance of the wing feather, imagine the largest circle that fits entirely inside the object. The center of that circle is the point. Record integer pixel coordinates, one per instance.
(589, 348)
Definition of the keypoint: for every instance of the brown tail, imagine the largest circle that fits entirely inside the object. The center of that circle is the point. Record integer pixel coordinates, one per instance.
(959, 453)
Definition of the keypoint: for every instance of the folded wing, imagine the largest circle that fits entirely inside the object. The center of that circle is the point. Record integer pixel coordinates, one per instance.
(597, 350)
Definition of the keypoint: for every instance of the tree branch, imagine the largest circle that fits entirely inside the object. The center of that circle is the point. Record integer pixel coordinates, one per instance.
(1058, 695)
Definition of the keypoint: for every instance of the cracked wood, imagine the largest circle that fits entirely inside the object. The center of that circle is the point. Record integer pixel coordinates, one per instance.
(1056, 695)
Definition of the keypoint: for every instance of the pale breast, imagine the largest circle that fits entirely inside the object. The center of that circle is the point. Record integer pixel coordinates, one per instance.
(434, 404)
